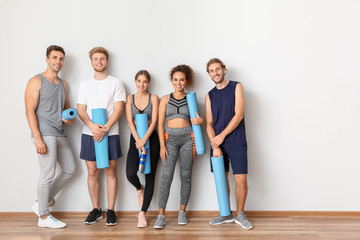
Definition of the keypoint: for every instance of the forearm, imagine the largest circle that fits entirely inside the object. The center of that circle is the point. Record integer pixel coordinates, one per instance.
(33, 124)
(235, 121)
(84, 117)
(115, 116)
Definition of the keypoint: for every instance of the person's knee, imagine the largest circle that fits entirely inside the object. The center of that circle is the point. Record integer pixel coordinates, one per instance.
(93, 173)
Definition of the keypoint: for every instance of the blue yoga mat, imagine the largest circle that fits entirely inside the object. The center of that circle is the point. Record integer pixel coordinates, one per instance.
(99, 116)
(69, 114)
(198, 137)
(221, 186)
(141, 128)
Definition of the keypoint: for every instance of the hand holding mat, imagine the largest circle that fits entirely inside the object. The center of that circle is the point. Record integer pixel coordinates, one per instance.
(141, 128)
(193, 109)
(99, 116)
(69, 114)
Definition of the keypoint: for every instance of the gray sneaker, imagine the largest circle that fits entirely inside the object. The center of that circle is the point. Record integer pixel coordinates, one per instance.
(182, 218)
(160, 222)
(222, 219)
(243, 221)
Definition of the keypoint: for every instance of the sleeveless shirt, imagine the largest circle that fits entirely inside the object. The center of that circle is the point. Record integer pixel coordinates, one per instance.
(50, 106)
(223, 110)
(177, 108)
(147, 109)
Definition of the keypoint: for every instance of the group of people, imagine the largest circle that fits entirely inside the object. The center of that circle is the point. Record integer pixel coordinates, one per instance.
(46, 96)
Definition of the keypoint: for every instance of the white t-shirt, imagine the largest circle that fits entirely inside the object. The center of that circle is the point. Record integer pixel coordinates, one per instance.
(101, 94)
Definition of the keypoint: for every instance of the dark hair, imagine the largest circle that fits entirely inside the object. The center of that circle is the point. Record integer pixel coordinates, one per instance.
(187, 70)
(143, 72)
(54, 48)
(214, 60)
(99, 50)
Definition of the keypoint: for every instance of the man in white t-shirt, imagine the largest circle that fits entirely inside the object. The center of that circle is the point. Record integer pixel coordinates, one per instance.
(101, 91)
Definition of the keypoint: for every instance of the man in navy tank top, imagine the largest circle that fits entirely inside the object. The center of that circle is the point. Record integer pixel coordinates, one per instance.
(225, 126)
(46, 96)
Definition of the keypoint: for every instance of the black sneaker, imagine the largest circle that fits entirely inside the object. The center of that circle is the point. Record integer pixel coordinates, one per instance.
(110, 218)
(94, 216)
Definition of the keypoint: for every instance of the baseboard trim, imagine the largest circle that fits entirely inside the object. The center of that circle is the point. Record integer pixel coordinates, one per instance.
(203, 213)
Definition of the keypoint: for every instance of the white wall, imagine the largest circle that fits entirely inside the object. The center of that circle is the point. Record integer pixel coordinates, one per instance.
(297, 60)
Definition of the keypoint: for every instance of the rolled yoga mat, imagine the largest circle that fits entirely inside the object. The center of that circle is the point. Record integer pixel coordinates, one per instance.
(221, 186)
(198, 137)
(69, 114)
(141, 128)
(99, 116)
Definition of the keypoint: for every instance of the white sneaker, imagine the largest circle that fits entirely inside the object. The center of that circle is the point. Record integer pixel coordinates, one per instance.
(35, 206)
(50, 222)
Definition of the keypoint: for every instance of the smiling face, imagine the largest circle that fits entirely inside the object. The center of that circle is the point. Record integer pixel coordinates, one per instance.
(55, 61)
(179, 81)
(216, 72)
(99, 62)
(142, 83)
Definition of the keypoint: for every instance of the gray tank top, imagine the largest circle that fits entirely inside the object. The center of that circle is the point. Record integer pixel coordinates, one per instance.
(50, 107)
(147, 109)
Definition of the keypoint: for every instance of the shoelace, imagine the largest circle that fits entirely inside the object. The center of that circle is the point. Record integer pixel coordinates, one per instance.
(53, 218)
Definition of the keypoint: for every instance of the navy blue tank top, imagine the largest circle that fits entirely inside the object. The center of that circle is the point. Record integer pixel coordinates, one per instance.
(223, 110)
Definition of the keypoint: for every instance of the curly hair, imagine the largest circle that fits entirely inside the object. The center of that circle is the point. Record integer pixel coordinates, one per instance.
(187, 70)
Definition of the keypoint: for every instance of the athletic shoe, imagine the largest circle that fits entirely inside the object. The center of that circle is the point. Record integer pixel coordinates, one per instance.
(142, 220)
(110, 218)
(35, 206)
(182, 218)
(243, 221)
(160, 222)
(222, 219)
(94, 216)
(140, 196)
(50, 222)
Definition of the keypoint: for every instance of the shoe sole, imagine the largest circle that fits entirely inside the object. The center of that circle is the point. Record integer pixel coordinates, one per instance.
(225, 221)
(44, 226)
(238, 222)
(182, 223)
(90, 223)
(159, 227)
(111, 224)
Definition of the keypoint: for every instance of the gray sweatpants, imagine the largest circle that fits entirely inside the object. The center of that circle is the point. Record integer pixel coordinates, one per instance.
(60, 152)
(179, 143)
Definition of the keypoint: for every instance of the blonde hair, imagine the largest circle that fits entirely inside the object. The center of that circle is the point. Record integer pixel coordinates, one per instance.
(99, 50)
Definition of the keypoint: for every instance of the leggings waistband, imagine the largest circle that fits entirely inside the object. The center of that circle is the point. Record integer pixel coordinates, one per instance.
(178, 131)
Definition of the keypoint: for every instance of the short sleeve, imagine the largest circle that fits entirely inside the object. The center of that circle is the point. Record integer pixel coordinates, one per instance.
(120, 94)
(82, 94)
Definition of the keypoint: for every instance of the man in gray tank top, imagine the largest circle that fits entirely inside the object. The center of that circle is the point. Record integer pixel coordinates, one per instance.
(45, 99)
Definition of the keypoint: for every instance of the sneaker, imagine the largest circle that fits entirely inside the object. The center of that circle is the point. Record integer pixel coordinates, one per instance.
(111, 219)
(160, 222)
(243, 221)
(140, 196)
(142, 220)
(222, 219)
(35, 206)
(182, 218)
(94, 216)
(50, 222)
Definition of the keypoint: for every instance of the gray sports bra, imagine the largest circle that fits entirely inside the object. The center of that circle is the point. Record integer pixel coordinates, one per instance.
(147, 109)
(177, 109)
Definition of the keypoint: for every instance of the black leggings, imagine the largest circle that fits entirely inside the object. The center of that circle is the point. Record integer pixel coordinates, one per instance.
(132, 166)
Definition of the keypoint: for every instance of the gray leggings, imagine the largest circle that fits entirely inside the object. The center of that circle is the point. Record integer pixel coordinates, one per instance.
(58, 152)
(179, 142)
